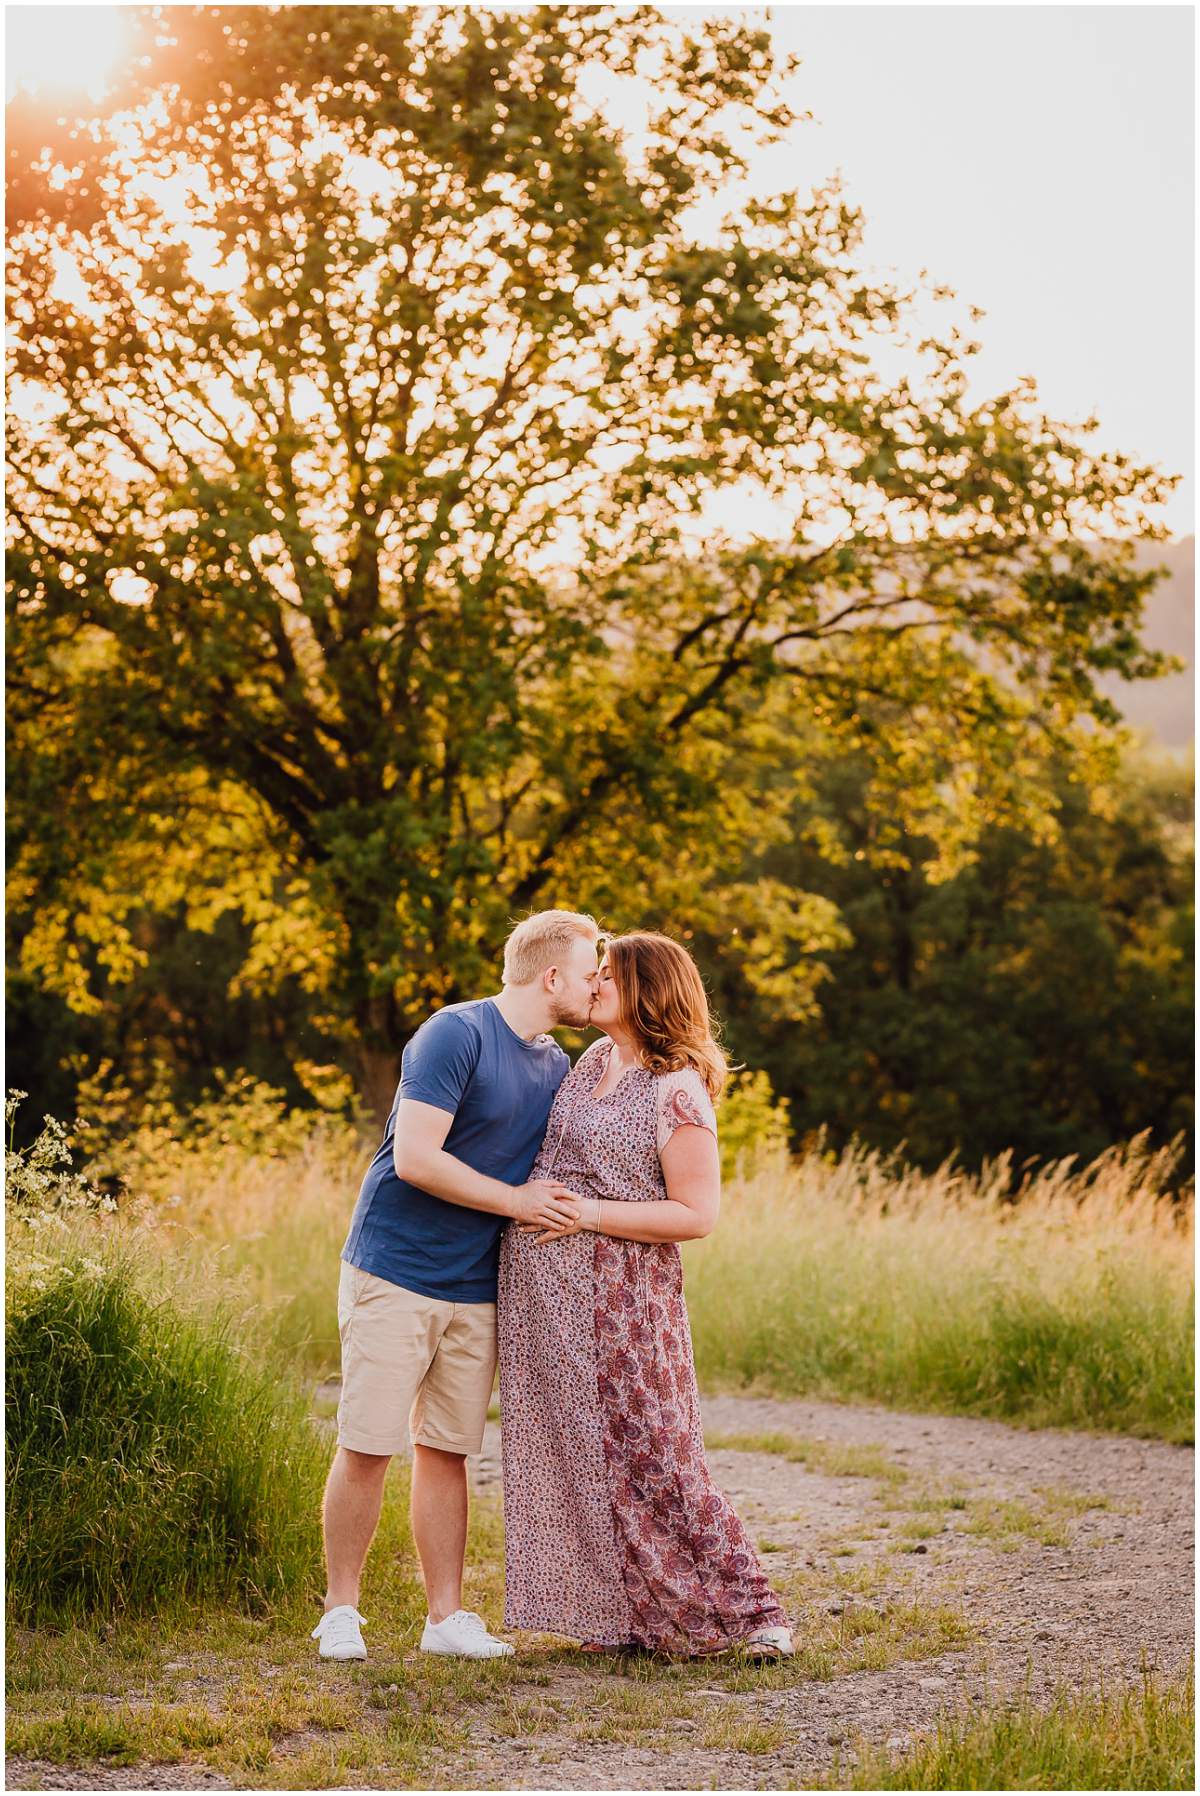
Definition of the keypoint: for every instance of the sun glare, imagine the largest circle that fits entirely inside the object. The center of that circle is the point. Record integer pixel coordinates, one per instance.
(60, 50)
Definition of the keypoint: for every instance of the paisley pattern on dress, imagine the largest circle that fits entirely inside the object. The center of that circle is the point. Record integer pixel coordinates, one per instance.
(615, 1531)
(680, 1106)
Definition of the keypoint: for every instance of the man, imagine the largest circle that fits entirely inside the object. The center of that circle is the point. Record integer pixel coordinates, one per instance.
(417, 1300)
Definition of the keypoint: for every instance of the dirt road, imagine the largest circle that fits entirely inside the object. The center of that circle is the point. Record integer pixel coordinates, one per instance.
(930, 1564)
(1070, 1559)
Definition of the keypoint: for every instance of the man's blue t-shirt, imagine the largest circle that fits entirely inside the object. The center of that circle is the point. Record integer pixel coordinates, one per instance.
(499, 1089)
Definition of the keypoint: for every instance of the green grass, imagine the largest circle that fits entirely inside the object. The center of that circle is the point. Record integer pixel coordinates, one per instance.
(397, 1723)
(245, 1693)
(90, 1731)
(865, 1638)
(729, 1731)
(629, 1711)
(929, 1497)
(836, 1459)
(155, 1457)
(1004, 1524)
(1007, 1523)
(1141, 1739)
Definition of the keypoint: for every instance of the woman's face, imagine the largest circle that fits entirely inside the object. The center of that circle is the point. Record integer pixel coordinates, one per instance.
(606, 1008)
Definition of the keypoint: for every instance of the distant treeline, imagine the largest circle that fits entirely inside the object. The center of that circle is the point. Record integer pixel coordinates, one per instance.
(1039, 1000)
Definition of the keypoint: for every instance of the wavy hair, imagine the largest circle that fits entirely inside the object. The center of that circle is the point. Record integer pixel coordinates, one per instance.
(665, 1007)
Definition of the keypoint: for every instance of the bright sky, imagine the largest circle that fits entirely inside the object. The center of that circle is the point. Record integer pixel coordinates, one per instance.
(1039, 160)
(1036, 158)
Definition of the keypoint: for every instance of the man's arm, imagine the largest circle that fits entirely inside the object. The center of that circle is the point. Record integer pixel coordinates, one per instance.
(419, 1156)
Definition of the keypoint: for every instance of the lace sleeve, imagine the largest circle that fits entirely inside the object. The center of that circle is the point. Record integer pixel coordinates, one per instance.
(683, 1100)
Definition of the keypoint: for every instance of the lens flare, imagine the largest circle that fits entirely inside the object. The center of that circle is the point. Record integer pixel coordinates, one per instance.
(57, 51)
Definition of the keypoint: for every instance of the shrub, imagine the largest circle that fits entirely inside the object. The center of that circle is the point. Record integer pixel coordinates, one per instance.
(132, 1138)
(153, 1456)
(752, 1121)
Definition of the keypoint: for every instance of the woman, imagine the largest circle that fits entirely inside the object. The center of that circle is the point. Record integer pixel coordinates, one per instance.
(615, 1533)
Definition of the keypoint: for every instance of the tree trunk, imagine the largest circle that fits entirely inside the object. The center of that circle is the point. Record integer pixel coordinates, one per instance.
(380, 1045)
(379, 1075)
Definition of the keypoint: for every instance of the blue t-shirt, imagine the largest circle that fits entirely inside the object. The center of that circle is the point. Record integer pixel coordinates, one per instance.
(499, 1089)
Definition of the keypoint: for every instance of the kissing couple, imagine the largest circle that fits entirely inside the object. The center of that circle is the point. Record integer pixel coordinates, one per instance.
(523, 1209)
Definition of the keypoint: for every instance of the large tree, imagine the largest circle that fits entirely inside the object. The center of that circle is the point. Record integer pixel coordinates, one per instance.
(370, 385)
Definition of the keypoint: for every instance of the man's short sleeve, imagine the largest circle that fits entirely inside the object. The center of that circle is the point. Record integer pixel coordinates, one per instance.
(438, 1062)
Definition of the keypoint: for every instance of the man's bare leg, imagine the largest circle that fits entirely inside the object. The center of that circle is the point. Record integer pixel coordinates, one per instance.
(439, 1525)
(353, 1500)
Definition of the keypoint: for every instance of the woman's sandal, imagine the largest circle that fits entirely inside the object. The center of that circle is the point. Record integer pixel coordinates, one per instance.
(767, 1645)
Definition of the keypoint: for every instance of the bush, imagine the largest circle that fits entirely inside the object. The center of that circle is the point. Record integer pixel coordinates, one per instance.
(130, 1139)
(152, 1456)
(752, 1121)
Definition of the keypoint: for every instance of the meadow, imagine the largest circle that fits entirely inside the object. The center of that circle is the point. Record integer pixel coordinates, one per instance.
(1064, 1299)
(165, 1466)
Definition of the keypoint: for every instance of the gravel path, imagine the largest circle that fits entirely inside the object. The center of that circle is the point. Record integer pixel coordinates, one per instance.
(1069, 1559)
(1116, 1599)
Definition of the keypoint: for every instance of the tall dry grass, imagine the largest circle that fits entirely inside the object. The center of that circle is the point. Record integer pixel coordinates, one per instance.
(1068, 1302)
(1119, 1739)
(265, 1228)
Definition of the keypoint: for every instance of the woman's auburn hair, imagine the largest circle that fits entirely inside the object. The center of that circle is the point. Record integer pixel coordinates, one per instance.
(665, 1007)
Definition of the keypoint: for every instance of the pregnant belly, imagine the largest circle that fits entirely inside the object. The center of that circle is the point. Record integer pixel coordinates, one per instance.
(545, 1306)
(581, 1179)
(615, 1184)
(557, 1269)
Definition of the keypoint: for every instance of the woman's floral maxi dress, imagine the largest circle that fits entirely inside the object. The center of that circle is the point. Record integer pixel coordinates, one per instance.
(615, 1531)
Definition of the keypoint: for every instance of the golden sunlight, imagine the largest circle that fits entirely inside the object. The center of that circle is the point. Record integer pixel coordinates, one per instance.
(59, 50)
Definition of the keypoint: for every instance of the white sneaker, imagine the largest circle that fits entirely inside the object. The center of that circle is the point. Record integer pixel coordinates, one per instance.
(464, 1635)
(340, 1633)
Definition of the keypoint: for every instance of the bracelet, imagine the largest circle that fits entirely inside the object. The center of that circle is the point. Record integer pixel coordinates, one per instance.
(594, 1224)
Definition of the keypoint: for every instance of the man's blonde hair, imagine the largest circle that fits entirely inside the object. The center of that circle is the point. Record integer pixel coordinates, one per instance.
(540, 941)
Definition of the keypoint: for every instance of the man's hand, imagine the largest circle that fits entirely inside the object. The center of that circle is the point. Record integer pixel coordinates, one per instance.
(545, 1204)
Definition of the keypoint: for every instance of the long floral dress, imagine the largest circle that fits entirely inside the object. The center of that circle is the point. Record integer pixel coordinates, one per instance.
(615, 1531)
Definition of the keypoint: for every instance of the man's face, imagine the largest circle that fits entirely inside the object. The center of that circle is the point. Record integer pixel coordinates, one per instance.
(571, 1001)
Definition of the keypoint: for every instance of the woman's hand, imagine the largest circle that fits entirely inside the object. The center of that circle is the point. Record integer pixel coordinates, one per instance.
(561, 1229)
(558, 1233)
(588, 1218)
(545, 1204)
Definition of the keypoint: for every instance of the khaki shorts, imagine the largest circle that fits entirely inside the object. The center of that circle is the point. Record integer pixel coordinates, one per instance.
(414, 1368)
